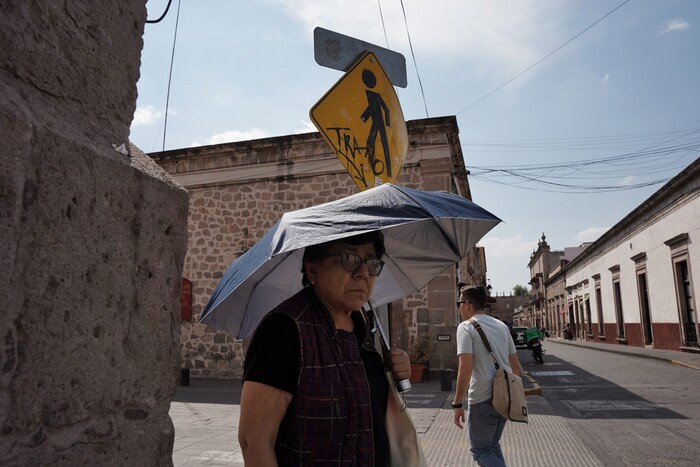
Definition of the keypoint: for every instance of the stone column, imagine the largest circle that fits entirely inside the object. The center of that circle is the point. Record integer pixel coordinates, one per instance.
(93, 240)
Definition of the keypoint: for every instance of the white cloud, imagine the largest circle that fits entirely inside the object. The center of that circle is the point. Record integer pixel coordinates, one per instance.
(674, 25)
(231, 136)
(307, 127)
(590, 234)
(628, 180)
(508, 247)
(146, 115)
(605, 79)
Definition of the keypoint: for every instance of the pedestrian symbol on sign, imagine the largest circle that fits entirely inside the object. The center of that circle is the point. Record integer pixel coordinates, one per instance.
(377, 112)
(361, 119)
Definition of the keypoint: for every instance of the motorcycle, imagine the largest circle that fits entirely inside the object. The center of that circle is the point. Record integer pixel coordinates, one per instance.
(536, 350)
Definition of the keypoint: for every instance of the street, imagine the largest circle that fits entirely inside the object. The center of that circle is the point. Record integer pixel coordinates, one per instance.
(597, 409)
(626, 410)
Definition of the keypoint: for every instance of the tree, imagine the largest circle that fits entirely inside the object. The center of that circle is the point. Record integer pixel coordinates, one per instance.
(519, 290)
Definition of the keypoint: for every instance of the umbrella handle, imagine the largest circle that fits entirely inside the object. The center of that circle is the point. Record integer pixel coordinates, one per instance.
(404, 385)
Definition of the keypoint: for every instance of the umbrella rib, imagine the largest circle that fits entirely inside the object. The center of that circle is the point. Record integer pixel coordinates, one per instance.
(453, 247)
(255, 286)
(421, 252)
(400, 270)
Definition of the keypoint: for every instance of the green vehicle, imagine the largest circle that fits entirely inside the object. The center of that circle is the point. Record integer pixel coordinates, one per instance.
(533, 338)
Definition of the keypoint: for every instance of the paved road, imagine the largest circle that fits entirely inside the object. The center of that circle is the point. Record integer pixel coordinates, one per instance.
(626, 410)
(597, 409)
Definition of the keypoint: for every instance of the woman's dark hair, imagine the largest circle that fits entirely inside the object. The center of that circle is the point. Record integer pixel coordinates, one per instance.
(320, 251)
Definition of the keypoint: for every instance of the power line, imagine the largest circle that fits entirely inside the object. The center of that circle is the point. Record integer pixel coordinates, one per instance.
(538, 61)
(587, 143)
(562, 177)
(654, 154)
(564, 188)
(170, 75)
(415, 64)
(386, 38)
(577, 180)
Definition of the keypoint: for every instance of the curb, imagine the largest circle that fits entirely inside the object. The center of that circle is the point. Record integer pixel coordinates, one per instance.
(630, 354)
(535, 390)
(684, 364)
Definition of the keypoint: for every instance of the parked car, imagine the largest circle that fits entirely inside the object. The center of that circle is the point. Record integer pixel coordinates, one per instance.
(519, 335)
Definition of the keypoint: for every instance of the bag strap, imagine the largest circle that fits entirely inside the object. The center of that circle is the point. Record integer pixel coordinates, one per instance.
(477, 326)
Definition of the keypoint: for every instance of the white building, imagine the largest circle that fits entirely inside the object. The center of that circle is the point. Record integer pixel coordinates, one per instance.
(634, 285)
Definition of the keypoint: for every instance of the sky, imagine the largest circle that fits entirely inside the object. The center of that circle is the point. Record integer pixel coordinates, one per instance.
(571, 112)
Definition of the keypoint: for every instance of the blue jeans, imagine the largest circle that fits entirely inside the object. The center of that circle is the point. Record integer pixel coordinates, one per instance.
(485, 429)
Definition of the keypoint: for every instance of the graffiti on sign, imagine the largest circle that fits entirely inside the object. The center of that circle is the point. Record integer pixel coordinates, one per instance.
(361, 119)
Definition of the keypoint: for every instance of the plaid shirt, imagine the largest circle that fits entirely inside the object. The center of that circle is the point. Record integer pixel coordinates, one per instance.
(329, 421)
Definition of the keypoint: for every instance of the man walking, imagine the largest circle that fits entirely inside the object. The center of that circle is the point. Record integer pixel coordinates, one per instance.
(476, 372)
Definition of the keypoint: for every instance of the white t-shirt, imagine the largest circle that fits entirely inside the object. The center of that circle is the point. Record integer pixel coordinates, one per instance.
(483, 371)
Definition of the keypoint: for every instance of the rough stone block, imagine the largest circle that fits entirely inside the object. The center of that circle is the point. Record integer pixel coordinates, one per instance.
(93, 245)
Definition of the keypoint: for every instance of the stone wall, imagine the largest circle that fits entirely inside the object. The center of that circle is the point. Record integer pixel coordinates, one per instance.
(239, 190)
(93, 241)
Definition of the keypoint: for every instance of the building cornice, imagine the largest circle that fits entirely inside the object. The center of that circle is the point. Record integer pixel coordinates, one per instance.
(305, 155)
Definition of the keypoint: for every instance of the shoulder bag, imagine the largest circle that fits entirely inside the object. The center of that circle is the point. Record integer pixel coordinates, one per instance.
(508, 393)
(404, 447)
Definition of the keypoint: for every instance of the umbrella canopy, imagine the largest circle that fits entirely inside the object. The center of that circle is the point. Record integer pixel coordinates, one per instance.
(424, 233)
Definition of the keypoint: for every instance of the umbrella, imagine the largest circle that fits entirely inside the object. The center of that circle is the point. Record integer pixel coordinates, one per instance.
(424, 233)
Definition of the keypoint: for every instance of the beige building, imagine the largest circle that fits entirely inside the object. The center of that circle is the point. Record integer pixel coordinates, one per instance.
(542, 262)
(557, 303)
(239, 190)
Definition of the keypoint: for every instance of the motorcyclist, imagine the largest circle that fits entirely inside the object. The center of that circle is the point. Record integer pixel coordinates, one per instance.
(532, 335)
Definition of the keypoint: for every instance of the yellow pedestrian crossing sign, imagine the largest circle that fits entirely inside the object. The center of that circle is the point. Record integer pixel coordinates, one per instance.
(361, 119)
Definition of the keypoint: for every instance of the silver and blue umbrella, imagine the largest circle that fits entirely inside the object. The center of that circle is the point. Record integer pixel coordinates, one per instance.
(425, 232)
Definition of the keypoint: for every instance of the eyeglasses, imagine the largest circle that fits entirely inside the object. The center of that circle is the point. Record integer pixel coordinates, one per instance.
(459, 304)
(351, 263)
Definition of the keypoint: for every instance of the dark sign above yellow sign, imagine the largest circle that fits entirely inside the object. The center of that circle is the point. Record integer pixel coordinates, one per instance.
(361, 118)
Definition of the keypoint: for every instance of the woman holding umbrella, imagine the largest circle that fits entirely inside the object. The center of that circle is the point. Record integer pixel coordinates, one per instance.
(314, 389)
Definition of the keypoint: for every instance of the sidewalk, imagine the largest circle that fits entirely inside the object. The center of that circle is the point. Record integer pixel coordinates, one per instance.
(686, 359)
(205, 415)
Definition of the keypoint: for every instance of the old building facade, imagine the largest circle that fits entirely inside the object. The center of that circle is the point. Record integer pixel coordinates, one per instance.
(239, 190)
(557, 303)
(635, 284)
(503, 306)
(542, 262)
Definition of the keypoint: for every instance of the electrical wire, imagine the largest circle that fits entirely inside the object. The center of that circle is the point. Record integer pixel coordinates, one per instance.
(415, 64)
(386, 38)
(651, 165)
(612, 142)
(170, 74)
(153, 21)
(568, 178)
(498, 88)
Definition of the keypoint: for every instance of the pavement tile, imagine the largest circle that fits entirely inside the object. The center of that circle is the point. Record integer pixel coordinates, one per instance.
(206, 413)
